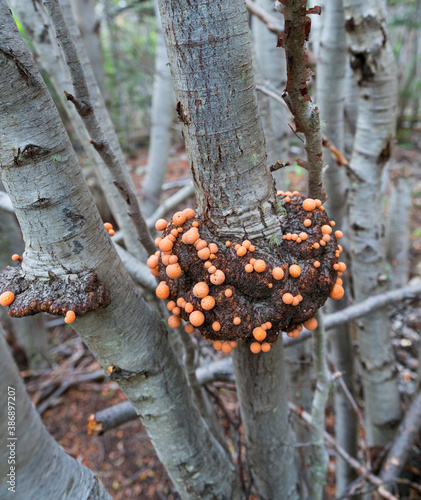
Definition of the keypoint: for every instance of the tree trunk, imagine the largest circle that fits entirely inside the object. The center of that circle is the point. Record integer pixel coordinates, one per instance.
(42, 468)
(64, 235)
(162, 115)
(330, 98)
(208, 47)
(374, 68)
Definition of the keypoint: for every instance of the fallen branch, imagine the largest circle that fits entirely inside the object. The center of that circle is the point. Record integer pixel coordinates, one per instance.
(271, 22)
(82, 102)
(111, 417)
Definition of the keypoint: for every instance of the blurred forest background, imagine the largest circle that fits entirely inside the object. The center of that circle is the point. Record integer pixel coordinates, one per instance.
(127, 55)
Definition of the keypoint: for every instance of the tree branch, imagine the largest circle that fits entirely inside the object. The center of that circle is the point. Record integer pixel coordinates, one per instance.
(293, 40)
(82, 102)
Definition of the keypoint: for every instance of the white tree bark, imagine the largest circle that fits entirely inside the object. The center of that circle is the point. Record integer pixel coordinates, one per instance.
(330, 99)
(42, 468)
(63, 234)
(162, 115)
(374, 69)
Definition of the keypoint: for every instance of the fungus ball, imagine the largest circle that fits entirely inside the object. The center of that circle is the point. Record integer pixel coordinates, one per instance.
(337, 292)
(176, 311)
(287, 298)
(342, 266)
(316, 263)
(307, 222)
(200, 290)
(207, 303)
(278, 273)
(179, 218)
(259, 265)
(173, 259)
(173, 271)
(189, 328)
(152, 262)
(166, 245)
(162, 290)
(160, 224)
(217, 278)
(197, 318)
(170, 305)
(108, 226)
(190, 236)
(16, 257)
(204, 253)
(303, 236)
(310, 324)
(295, 271)
(237, 320)
(265, 347)
(226, 347)
(174, 321)
(199, 244)
(228, 292)
(70, 317)
(188, 307)
(189, 213)
(326, 229)
(248, 268)
(326, 237)
(255, 347)
(339, 234)
(217, 345)
(213, 247)
(259, 334)
(216, 326)
(309, 204)
(212, 269)
(241, 251)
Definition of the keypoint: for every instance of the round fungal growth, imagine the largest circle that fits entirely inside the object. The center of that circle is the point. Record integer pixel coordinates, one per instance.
(70, 317)
(6, 298)
(236, 290)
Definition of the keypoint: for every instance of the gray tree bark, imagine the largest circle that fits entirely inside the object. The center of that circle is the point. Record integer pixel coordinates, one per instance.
(162, 115)
(208, 47)
(330, 99)
(374, 69)
(43, 470)
(63, 234)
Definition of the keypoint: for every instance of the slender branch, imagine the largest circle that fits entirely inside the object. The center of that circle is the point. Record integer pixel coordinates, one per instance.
(111, 417)
(306, 417)
(82, 103)
(405, 438)
(271, 22)
(293, 40)
(318, 410)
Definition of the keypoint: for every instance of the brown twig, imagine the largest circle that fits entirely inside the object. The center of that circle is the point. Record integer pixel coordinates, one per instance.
(296, 96)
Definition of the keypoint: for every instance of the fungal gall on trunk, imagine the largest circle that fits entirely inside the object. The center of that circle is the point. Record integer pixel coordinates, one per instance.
(232, 290)
(59, 295)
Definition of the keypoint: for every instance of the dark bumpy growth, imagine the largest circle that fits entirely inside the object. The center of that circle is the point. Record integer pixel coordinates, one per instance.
(56, 295)
(244, 292)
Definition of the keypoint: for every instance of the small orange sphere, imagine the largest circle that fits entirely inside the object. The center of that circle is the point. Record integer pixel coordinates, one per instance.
(211, 269)
(188, 307)
(303, 236)
(227, 243)
(155, 272)
(160, 224)
(173, 259)
(241, 251)
(204, 254)
(70, 317)
(213, 247)
(259, 265)
(337, 292)
(189, 328)
(216, 326)
(277, 273)
(246, 244)
(326, 237)
(200, 290)
(307, 222)
(233, 343)
(173, 271)
(197, 318)
(248, 268)
(294, 237)
(207, 264)
(180, 301)
(195, 223)
(207, 303)
(237, 320)
(326, 229)
(190, 236)
(309, 204)
(179, 218)
(265, 347)
(162, 290)
(217, 345)
(252, 248)
(217, 278)
(108, 226)
(316, 263)
(339, 281)
(158, 241)
(228, 292)
(295, 271)
(189, 213)
(199, 244)
(174, 321)
(255, 347)
(170, 305)
(111, 232)
(310, 324)
(166, 245)
(16, 257)
(287, 199)
(287, 298)
(176, 311)
(226, 347)
(342, 266)
(295, 301)
(316, 246)
(339, 234)
(259, 334)
(152, 262)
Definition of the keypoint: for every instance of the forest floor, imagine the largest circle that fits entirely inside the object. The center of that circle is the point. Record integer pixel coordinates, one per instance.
(124, 458)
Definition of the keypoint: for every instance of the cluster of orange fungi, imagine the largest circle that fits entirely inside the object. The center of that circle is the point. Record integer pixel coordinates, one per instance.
(109, 227)
(207, 251)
